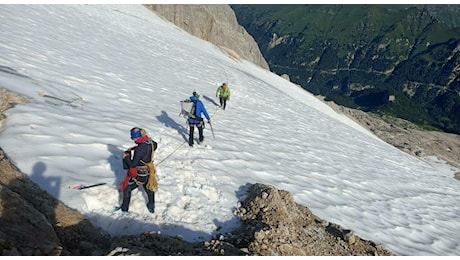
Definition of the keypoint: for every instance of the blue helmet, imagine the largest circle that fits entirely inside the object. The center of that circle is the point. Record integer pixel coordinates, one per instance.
(135, 133)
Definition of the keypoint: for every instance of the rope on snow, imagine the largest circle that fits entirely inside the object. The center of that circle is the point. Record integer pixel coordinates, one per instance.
(177, 148)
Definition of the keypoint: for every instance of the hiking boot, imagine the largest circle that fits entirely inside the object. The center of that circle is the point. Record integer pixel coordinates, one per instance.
(118, 208)
(151, 209)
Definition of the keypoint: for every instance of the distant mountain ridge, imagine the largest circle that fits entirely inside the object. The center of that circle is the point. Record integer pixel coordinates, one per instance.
(446, 13)
(400, 60)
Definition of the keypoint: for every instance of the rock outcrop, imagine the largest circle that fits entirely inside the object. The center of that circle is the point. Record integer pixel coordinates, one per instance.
(216, 24)
(35, 223)
(274, 224)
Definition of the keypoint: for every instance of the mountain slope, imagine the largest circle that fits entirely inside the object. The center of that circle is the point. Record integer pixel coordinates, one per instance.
(92, 72)
(399, 60)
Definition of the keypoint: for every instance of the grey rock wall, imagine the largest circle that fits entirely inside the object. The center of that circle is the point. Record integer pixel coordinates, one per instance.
(216, 24)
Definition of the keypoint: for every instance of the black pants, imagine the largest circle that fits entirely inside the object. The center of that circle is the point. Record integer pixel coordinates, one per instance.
(200, 132)
(223, 102)
(127, 196)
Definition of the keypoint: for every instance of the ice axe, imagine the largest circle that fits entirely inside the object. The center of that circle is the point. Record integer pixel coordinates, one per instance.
(212, 130)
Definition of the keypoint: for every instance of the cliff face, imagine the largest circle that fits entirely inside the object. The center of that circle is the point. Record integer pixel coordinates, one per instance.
(216, 24)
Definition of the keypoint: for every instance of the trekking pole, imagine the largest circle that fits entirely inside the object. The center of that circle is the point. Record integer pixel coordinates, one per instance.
(212, 131)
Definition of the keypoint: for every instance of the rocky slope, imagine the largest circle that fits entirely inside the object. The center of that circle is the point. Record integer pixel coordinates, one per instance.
(274, 224)
(216, 24)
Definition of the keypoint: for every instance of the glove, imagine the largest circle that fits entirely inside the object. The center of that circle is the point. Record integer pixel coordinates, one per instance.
(209, 121)
(126, 154)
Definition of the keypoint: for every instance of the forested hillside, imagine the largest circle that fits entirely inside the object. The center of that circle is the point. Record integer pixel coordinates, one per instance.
(400, 60)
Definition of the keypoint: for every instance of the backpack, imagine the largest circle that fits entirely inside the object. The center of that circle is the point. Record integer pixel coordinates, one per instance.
(187, 108)
(152, 184)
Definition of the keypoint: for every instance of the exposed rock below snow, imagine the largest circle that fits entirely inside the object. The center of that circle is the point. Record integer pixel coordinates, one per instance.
(274, 224)
(8, 99)
(35, 223)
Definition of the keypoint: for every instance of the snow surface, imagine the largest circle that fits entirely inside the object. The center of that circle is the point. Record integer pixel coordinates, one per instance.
(92, 72)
